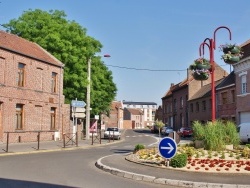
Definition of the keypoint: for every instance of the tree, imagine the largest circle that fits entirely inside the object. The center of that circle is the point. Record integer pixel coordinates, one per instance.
(159, 125)
(69, 43)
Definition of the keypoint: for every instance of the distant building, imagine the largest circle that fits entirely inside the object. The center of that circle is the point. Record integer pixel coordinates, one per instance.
(134, 118)
(148, 109)
(115, 116)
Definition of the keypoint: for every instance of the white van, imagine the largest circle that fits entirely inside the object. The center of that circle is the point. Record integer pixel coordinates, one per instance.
(244, 132)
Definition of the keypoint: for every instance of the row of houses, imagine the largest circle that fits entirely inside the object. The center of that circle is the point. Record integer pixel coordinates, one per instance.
(190, 100)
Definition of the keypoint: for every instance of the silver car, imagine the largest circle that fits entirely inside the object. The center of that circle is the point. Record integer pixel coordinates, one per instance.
(166, 130)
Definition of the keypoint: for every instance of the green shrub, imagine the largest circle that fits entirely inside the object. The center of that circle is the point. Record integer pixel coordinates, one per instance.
(248, 145)
(139, 147)
(179, 160)
(231, 136)
(198, 131)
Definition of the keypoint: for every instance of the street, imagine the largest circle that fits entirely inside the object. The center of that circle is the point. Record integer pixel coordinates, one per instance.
(75, 168)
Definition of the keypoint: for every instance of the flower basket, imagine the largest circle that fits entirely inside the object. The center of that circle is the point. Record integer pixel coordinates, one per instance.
(201, 75)
(232, 53)
(232, 60)
(200, 64)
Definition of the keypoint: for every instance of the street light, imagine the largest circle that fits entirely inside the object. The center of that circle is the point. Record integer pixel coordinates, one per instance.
(211, 45)
(88, 97)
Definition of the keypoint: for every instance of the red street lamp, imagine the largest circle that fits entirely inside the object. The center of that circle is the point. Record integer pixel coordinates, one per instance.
(210, 43)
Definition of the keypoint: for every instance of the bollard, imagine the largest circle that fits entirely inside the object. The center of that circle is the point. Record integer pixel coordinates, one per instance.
(76, 139)
(38, 140)
(7, 144)
(64, 140)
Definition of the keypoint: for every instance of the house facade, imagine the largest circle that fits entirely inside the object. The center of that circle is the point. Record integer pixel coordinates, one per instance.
(115, 117)
(31, 92)
(242, 79)
(226, 99)
(134, 118)
(184, 100)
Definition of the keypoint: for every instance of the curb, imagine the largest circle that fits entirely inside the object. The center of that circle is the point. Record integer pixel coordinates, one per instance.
(163, 181)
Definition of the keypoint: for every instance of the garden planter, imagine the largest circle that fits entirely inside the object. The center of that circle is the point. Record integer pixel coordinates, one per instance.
(203, 66)
(235, 50)
(232, 60)
(198, 144)
(229, 147)
(201, 76)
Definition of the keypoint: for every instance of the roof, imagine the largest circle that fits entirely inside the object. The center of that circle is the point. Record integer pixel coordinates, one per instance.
(16, 44)
(205, 91)
(135, 111)
(139, 103)
(178, 86)
(228, 81)
(116, 104)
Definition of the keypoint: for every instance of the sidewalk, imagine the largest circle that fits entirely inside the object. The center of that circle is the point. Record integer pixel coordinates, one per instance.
(46, 146)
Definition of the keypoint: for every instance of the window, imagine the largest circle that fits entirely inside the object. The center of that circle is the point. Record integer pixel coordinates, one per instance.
(197, 107)
(204, 105)
(19, 116)
(53, 118)
(191, 107)
(233, 96)
(224, 98)
(243, 84)
(53, 82)
(175, 105)
(20, 74)
(181, 101)
(2, 68)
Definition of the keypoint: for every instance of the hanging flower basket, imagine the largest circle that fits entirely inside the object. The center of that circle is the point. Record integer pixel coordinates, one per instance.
(200, 63)
(232, 53)
(232, 60)
(201, 75)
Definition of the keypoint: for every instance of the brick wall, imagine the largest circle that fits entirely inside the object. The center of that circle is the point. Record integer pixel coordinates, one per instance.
(36, 98)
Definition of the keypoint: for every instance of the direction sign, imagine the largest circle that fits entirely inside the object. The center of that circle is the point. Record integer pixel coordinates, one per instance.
(76, 103)
(167, 147)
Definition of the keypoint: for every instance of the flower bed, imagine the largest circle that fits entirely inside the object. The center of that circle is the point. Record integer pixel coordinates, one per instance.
(200, 160)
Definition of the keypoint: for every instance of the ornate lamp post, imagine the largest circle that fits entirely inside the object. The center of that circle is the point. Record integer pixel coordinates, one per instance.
(88, 97)
(211, 44)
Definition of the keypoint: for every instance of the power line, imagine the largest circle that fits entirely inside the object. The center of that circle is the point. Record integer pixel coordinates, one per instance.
(131, 68)
(152, 70)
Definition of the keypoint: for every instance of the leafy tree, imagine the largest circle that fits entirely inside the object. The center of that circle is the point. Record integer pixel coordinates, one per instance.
(69, 43)
(159, 125)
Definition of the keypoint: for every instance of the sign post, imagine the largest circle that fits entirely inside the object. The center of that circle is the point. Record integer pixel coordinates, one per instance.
(167, 148)
(77, 112)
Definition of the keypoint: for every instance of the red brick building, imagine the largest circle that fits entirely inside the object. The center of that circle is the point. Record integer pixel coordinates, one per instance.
(226, 99)
(135, 116)
(242, 79)
(181, 98)
(115, 117)
(31, 91)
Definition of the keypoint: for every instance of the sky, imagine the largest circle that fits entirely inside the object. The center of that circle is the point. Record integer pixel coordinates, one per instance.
(151, 42)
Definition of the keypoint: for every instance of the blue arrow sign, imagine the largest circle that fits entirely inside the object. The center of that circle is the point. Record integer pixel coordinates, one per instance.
(167, 147)
(79, 104)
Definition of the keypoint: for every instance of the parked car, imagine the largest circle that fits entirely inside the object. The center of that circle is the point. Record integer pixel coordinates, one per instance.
(154, 129)
(244, 132)
(185, 131)
(166, 130)
(112, 132)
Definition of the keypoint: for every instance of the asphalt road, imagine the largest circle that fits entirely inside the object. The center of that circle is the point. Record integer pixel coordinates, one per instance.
(75, 168)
